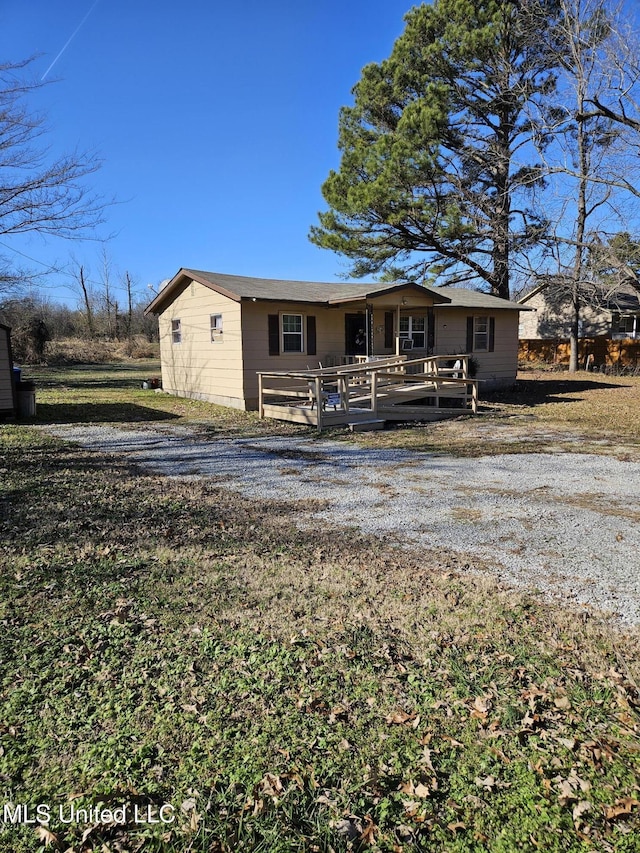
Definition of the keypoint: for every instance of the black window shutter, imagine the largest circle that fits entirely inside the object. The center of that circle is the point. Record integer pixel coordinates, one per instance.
(492, 334)
(431, 330)
(311, 335)
(388, 329)
(274, 334)
(469, 334)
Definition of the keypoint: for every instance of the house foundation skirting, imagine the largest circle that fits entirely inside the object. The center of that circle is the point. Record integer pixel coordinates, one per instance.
(219, 399)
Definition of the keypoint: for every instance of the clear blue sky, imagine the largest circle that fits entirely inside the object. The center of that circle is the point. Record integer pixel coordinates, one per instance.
(216, 121)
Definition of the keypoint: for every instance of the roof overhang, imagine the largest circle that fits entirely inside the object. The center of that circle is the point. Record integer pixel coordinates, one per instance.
(177, 284)
(332, 297)
(374, 293)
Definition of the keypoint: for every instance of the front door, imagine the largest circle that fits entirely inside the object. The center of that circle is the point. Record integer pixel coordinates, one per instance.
(355, 334)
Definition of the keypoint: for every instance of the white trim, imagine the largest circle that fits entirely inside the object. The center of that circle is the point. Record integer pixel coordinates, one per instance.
(292, 334)
(478, 332)
(216, 327)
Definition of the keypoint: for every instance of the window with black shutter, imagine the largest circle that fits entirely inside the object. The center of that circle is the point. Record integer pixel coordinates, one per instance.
(481, 333)
(289, 333)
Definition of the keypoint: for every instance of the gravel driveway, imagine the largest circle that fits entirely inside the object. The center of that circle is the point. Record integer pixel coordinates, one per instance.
(565, 524)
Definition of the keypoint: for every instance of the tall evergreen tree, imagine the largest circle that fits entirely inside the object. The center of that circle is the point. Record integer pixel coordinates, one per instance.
(434, 178)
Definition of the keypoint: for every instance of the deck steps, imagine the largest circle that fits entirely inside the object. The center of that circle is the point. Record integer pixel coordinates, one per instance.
(366, 426)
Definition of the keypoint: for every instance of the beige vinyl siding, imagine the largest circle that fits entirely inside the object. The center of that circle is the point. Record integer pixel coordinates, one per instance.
(530, 320)
(494, 368)
(197, 366)
(330, 335)
(225, 370)
(549, 322)
(414, 306)
(255, 330)
(6, 368)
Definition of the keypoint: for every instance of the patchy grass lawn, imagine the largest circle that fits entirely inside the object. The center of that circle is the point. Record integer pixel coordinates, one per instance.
(582, 412)
(174, 653)
(113, 393)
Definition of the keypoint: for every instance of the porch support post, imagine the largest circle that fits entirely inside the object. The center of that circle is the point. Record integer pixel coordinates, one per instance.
(369, 329)
(398, 330)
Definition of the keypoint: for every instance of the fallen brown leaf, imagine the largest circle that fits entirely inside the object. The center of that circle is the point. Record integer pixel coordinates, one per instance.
(400, 717)
(622, 807)
(46, 836)
(580, 808)
(368, 835)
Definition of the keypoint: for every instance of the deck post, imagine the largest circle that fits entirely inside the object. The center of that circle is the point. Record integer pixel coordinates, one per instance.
(260, 398)
(319, 407)
(344, 388)
(374, 393)
(375, 387)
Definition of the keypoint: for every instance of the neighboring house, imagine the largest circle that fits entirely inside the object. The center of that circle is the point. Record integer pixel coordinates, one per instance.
(217, 331)
(616, 316)
(7, 386)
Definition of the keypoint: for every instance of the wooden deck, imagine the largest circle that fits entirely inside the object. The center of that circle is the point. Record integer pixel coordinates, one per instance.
(394, 388)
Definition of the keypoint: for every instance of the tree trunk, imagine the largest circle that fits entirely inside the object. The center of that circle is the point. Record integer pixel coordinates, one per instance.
(127, 279)
(87, 303)
(574, 332)
(582, 214)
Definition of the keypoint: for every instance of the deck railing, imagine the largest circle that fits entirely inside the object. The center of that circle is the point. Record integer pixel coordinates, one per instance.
(393, 388)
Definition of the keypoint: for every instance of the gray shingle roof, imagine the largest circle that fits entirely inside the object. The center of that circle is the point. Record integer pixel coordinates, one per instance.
(244, 287)
(463, 298)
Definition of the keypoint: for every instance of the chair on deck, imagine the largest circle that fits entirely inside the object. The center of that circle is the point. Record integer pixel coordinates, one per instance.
(328, 399)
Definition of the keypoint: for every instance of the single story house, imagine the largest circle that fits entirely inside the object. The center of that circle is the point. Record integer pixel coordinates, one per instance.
(217, 331)
(7, 384)
(615, 316)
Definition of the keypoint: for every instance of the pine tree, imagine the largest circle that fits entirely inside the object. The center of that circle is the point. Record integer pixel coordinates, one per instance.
(434, 177)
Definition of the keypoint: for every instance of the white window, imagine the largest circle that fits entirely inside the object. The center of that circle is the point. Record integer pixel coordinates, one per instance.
(292, 340)
(480, 334)
(176, 332)
(413, 329)
(216, 327)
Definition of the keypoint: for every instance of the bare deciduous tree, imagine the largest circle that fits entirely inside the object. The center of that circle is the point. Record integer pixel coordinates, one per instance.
(588, 161)
(38, 194)
(87, 300)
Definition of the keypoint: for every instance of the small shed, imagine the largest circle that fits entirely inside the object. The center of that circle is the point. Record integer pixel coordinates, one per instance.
(7, 384)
